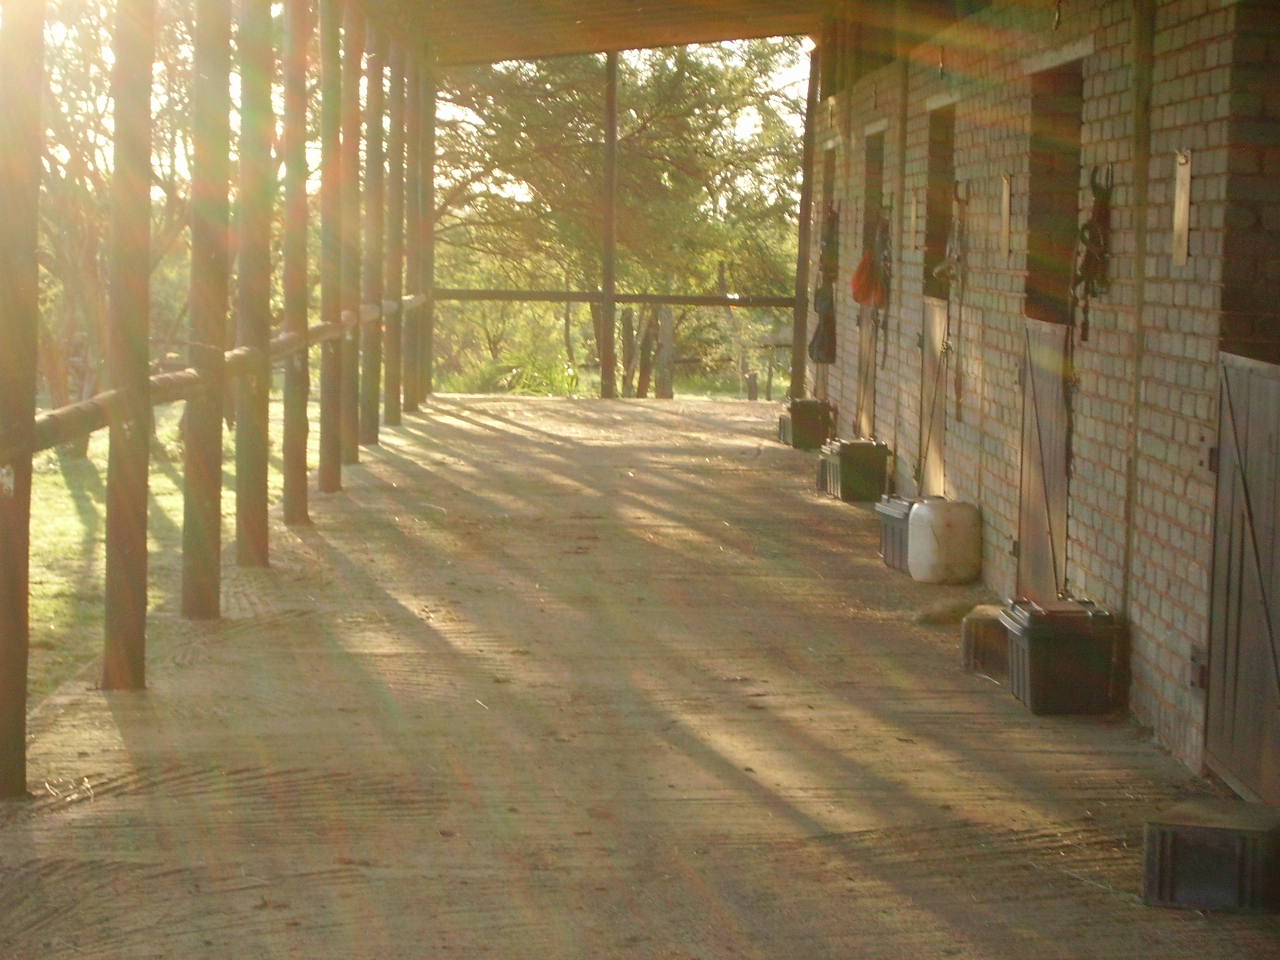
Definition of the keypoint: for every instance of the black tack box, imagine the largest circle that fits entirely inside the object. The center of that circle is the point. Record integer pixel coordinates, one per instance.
(1213, 854)
(806, 425)
(1065, 656)
(852, 470)
(894, 513)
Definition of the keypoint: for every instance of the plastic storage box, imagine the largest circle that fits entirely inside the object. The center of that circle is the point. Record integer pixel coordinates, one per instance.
(852, 470)
(806, 424)
(1065, 656)
(1213, 855)
(893, 513)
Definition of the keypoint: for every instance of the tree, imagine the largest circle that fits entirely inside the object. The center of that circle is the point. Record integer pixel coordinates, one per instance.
(708, 162)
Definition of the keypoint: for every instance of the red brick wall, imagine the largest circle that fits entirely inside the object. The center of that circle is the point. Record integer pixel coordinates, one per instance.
(1141, 497)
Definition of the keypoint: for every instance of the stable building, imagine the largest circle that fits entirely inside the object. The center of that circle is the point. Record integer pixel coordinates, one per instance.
(1061, 221)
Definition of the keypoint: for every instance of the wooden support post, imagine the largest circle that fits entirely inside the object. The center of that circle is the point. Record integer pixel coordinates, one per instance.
(800, 315)
(128, 354)
(608, 283)
(297, 376)
(210, 257)
(374, 214)
(330, 466)
(352, 53)
(413, 231)
(392, 324)
(253, 305)
(21, 133)
(427, 237)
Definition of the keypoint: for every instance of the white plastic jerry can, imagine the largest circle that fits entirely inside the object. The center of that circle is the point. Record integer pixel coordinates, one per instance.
(944, 541)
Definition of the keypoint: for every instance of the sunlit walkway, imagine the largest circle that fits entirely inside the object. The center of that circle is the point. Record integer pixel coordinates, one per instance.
(583, 680)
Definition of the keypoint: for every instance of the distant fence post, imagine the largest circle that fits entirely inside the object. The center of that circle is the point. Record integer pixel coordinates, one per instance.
(210, 256)
(21, 133)
(297, 374)
(393, 325)
(663, 387)
(413, 230)
(374, 217)
(352, 52)
(330, 466)
(427, 236)
(128, 350)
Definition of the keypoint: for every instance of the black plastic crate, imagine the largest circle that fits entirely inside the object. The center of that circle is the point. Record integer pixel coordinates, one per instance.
(984, 643)
(1065, 656)
(1213, 855)
(806, 425)
(893, 513)
(852, 470)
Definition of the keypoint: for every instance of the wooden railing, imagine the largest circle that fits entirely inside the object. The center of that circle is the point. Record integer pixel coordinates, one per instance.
(75, 421)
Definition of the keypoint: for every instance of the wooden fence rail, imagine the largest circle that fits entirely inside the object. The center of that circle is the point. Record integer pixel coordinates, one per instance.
(75, 421)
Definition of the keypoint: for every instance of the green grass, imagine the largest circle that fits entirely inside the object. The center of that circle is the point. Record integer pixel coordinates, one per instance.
(68, 523)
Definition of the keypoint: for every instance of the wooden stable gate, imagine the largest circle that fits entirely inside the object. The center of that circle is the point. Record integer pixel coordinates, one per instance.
(1243, 729)
(1042, 511)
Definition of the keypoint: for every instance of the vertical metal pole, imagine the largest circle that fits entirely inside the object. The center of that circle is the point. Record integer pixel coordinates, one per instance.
(413, 230)
(608, 283)
(253, 305)
(374, 214)
(22, 80)
(800, 316)
(395, 241)
(210, 257)
(353, 49)
(427, 237)
(128, 354)
(298, 27)
(330, 466)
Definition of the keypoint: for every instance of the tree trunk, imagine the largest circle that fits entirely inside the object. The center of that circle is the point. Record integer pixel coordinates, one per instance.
(663, 387)
(733, 325)
(595, 330)
(628, 352)
(647, 342)
(568, 336)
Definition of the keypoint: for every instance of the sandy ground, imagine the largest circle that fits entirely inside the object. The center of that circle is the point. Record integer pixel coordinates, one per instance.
(574, 679)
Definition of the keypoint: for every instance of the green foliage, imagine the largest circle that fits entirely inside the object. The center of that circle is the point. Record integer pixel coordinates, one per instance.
(75, 204)
(707, 169)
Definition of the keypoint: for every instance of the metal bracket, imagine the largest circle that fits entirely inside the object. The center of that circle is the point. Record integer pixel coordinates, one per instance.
(1198, 669)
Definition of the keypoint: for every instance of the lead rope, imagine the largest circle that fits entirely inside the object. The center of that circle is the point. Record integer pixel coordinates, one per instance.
(939, 375)
(1094, 245)
(953, 268)
(884, 256)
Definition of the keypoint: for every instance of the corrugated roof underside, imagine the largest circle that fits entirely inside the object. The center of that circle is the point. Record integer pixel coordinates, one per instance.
(481, 31)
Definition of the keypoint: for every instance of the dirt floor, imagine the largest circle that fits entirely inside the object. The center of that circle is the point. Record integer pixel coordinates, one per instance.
(576, 679)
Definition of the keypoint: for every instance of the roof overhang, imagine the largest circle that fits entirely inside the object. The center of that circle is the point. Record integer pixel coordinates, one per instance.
(486, 31)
